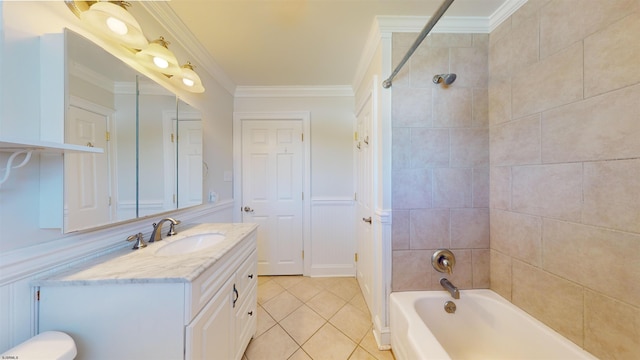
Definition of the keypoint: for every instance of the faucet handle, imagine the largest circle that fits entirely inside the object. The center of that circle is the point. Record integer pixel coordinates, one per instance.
(172, 228)
(139, 241)
(443, 260)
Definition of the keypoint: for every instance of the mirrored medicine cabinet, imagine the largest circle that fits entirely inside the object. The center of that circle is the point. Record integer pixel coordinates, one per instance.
(152, 141)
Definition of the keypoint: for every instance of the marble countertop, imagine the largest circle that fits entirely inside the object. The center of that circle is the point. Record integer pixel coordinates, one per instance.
(126, 266)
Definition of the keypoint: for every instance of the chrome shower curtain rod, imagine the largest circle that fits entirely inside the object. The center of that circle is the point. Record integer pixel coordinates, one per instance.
(425, 31)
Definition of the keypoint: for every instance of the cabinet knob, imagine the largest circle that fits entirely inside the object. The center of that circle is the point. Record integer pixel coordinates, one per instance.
(250, 276)
(250, 313)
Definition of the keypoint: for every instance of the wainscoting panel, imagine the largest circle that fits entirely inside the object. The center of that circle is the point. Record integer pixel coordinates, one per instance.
(333, 241)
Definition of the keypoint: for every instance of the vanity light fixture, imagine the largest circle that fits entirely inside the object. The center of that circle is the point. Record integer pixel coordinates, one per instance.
(188, 79)
(157, 57)
(113, 21)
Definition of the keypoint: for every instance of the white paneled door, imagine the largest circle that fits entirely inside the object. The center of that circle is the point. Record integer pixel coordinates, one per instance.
(189, 163)
(364, 178)
(272, 192)
(87, 194)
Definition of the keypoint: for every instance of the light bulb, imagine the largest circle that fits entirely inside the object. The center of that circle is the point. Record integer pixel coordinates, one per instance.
(160, 62)
(117, 26)
(188, 82)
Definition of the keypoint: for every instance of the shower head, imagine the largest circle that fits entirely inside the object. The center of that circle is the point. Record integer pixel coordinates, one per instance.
(447, 79)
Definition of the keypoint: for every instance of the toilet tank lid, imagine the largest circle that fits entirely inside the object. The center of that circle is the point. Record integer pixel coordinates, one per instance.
(46, 345)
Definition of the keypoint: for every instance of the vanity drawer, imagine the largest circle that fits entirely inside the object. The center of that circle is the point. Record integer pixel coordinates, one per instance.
(247, 274)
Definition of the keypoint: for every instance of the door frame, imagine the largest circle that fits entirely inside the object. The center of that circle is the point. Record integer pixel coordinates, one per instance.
(305, 117)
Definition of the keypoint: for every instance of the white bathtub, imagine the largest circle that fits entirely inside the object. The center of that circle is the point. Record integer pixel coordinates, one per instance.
(484, 326)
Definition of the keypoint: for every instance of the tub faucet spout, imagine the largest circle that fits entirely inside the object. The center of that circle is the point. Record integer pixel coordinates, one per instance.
(452, 289)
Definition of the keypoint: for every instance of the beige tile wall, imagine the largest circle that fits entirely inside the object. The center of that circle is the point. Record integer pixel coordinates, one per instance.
(564, 110)
(440, 157)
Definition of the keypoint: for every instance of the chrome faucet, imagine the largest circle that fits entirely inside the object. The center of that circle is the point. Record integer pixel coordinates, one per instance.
(452, 289)
(443, 260)
(156, 234)
(139, 238)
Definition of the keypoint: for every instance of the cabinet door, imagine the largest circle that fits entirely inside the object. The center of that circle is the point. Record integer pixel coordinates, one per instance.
(211, 334)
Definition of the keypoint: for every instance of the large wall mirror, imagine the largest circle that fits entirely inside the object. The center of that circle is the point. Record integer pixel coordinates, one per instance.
(152, 161)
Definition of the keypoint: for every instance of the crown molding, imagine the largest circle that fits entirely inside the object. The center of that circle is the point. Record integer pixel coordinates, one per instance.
(163, 13)
(503, 12)
(447, 24)
(293, 91)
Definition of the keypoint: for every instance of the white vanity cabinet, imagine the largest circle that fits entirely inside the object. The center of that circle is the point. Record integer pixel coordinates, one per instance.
(211, 317)
(227, 322)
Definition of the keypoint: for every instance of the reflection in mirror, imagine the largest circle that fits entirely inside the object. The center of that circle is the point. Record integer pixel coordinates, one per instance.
(190, 163)
(156, 146)
(140, 172)
(97, 186)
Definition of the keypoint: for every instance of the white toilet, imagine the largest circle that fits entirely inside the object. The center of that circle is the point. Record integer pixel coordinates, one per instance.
(49, 345)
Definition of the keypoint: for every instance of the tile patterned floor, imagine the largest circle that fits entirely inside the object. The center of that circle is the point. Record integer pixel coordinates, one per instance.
(312, 318)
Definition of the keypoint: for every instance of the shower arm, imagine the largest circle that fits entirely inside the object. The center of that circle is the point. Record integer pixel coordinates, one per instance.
(425, 31)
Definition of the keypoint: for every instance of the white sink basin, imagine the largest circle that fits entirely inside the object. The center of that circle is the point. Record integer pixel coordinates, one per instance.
(190, 244)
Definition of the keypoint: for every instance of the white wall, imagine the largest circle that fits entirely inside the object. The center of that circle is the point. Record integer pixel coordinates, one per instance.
(332, 242)
(26, 251)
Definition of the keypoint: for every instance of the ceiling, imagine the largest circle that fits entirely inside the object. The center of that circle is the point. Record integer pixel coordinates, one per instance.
(298, 42)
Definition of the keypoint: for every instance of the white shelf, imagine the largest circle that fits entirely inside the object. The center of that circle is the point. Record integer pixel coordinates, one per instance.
(24, 149)
(13, 145)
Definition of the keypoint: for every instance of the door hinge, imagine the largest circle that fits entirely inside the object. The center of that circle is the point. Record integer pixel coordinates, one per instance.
(109, 200)
(355, 256)
(355, 196)
(302, 254)
(355, 136)
(38, 295)
(172, 138)
(302, 195)
(108, 136)
(174, 198)
(302, 136)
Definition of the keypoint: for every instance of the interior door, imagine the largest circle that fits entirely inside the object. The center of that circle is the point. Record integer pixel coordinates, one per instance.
(272, 196)
(189, 163)
(87, 193)
(364, 176)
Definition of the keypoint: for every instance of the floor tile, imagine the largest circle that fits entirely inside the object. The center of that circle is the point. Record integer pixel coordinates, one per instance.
(359, 302)
(304, 318)
(361, 354)
(288, 281)
(268, 290)
(302, 323)
(346, 288)
(329, 343)
(274, 344)
(370, 345)
(304, 290)
(326, 304)
(265, 321)
(352, 322)
(300, 355)
(281, 305)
